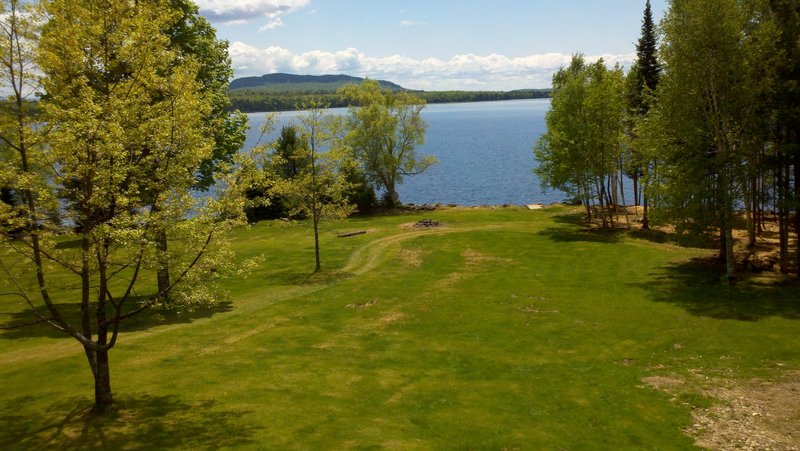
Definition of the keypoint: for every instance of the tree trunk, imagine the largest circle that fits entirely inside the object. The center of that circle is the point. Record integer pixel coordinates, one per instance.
(797, 209)
(636, 189)
(749, 208)
(102, 382)
(392, 197)
(783, 223)
(645, 220)
(316, 240)
(163, 262)
(600, 198)
(730, 260)
(723, 244)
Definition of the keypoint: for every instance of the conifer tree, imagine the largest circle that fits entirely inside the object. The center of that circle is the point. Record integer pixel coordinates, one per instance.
(642, 83)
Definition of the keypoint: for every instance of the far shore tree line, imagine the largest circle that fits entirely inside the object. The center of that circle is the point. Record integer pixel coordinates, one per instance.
(100, 217)
(705, 126)
(254, 100)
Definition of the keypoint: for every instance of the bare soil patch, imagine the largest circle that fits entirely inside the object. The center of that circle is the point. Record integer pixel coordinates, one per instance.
(745, 415)
(392, 317)
(411, 257)
(475, 258)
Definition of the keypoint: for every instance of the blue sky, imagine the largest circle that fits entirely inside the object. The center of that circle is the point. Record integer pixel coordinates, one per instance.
(433, 44)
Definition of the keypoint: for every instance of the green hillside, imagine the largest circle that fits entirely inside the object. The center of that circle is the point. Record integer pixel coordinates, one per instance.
(289, 83)
(281, 92)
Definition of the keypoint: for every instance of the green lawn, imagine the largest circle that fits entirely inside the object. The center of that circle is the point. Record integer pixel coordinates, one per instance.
(507, 328)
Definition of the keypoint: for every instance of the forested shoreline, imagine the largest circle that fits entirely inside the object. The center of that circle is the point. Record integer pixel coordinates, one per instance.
(706, 125)
(254, 100)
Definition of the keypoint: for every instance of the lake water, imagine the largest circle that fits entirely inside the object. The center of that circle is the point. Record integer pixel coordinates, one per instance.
(485, 153)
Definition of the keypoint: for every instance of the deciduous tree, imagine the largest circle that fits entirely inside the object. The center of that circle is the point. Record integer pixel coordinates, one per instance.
(127, 126)
(580, 152)
(318, 185)
(384, 130)
(717, 55)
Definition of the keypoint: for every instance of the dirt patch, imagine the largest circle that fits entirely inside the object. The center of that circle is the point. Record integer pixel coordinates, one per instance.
(427, 224)
(392, 317)
(755, 415)
(751, 415)
(362, 305)
(475, 258)
(667, 384)
(411, 257)
(451, 279)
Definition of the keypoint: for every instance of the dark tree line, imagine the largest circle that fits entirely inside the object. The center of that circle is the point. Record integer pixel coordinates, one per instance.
(255, 100)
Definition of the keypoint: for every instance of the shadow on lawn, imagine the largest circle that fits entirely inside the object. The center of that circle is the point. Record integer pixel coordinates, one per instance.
(143, 321)
(581, 231)
(141, 422)
(698, 287)
(290, 277)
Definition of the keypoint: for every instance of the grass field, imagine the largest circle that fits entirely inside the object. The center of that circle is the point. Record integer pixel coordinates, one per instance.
(506, 328)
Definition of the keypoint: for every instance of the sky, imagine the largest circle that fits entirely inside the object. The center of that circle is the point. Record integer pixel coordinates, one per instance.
(427, 44)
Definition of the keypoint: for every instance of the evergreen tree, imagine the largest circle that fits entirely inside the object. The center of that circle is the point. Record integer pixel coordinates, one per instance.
(642, 83)
(646, 53)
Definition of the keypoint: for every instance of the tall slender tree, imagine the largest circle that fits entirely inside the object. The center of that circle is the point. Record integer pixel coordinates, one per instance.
(786, 16)
(318, 187)
(642, 82)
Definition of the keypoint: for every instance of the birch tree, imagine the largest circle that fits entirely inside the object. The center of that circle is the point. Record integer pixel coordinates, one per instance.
(580, 152)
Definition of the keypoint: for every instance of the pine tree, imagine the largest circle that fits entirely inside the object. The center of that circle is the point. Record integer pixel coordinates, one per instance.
(644, 79)
(647, 52)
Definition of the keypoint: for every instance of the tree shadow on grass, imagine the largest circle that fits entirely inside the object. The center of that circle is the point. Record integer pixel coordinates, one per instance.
(27, 327)
(575, 229)
(699, 288)
(581, 231)
(137, 422)
(291, 277)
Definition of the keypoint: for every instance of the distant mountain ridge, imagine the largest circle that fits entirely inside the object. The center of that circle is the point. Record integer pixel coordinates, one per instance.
(293, 83)
(282, 92)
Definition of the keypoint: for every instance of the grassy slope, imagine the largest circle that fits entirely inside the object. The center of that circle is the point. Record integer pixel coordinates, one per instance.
(509, 328)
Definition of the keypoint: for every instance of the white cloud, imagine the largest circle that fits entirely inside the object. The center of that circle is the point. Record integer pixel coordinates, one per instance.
(243, 11)
(411, 23)
(465, 72)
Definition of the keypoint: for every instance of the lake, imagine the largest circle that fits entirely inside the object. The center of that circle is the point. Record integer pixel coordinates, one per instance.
(485, 153)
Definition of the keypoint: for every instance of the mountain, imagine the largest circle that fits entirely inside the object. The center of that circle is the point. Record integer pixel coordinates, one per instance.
(289, 83)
